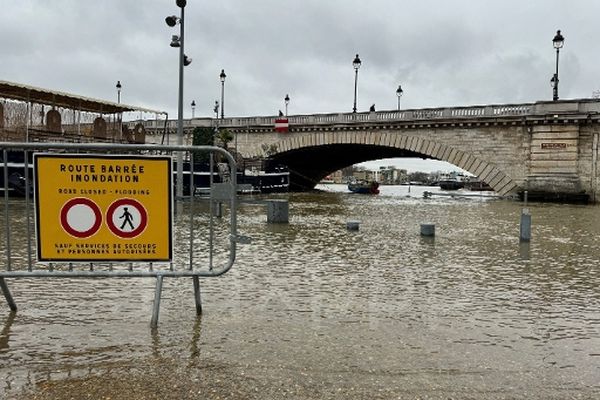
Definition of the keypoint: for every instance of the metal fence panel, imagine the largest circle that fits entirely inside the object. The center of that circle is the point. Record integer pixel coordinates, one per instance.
(203, 242)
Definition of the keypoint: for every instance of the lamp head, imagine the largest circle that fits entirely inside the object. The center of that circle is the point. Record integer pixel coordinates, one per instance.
(356, 63)
(186, 60)
(193, 103)
(287, 98)
(222, 76)
(175, 41)
(119, 85)
(399, 91)
(171, 20)
(180, 3)
(558, 40)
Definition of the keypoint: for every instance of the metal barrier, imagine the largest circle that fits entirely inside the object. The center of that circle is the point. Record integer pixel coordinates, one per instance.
(95, 245)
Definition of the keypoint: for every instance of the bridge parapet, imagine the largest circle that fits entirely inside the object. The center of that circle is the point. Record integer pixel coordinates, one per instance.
(583, 106)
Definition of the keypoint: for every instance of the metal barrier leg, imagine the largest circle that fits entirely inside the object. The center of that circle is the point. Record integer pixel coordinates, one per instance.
(7, 295)
(197, 295)
(156, 308)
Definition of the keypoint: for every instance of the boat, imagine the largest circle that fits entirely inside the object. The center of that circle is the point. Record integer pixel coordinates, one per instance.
(364, 187)
(451, 184)
(475, 184)
(263, 178)
(110, 125)
(255, 179)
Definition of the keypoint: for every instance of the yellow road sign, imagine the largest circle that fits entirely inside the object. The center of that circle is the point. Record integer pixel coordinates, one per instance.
(103, 207)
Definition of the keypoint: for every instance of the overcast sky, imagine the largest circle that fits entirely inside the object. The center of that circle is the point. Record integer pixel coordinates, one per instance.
(442, 52)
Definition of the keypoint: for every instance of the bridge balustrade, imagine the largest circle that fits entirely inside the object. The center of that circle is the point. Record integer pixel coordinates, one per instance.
(427, 114)
(468, 112)
(499, 110)
(519, 109)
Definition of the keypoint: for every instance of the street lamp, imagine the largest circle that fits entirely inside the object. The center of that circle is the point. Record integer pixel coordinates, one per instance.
(177, 41)
(557, 42)
(399, 92)
(287, 101)
(222, 77)
(193, 107)
(119, 92)
(356, 64)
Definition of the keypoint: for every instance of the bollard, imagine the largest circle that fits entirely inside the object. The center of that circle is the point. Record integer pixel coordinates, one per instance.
(352, 225)
(277, 211)
(218, 209)
(427, 229)
(525, 226)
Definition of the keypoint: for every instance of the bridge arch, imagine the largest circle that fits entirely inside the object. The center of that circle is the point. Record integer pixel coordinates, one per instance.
(383, 144)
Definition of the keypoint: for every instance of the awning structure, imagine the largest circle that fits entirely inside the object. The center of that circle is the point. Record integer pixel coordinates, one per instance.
(26, 93)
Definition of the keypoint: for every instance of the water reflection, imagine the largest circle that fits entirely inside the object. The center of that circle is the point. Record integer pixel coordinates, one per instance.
(5, 333)
(470, 311)
(524, 250)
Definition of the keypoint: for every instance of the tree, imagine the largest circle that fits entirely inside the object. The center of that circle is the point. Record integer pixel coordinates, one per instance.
(202, 136)
(224, 136)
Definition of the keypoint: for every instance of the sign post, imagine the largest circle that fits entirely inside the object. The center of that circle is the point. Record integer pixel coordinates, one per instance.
(103, 207)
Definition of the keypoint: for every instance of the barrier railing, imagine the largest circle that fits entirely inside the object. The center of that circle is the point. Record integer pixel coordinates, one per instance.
(107, 210)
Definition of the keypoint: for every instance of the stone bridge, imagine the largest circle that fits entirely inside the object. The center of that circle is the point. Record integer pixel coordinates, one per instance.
(549, 149)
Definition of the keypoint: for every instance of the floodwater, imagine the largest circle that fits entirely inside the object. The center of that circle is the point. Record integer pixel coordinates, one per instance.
(311, 310)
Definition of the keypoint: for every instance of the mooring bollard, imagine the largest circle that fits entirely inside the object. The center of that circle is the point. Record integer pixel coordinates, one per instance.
(525, 225)
(352, 225)
(277, 211)
(427, 229)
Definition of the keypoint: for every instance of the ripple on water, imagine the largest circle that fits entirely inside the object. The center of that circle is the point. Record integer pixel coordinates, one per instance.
(380, 302)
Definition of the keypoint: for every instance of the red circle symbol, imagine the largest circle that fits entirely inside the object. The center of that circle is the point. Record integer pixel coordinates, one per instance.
(126, 218)
(80, 217)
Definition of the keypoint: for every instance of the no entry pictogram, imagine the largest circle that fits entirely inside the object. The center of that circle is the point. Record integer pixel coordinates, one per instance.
(126, 218)
(80, 217)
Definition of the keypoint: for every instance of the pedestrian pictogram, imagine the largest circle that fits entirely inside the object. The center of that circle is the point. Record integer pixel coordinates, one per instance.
(80, 217)
(126, 218)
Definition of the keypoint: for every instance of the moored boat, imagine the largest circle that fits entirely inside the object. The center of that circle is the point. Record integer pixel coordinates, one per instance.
(477, 185)
(364, 187)
(451, 184)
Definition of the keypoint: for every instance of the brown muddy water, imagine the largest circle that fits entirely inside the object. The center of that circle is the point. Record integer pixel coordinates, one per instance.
(311, 310)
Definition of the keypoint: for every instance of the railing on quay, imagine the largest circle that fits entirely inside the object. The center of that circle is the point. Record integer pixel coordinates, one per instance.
(200, 246)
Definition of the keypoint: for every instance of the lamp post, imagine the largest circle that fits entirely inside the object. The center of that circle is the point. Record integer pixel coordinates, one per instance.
(193, 107)
(356, 64)
(222, 77)
(557, 42)
(287, 102)
(177, 41)
(399, 92)
(119, 92)
(118, 86)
